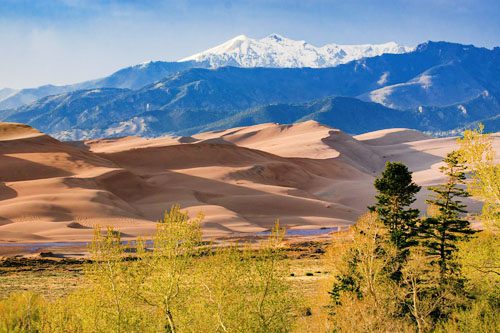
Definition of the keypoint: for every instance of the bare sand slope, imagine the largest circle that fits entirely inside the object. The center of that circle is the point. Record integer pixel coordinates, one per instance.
(308, 175)
(54, 191)
(391, 136)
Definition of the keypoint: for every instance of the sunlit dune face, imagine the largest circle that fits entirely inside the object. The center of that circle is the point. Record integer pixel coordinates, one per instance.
(12, 131)
(309, 175)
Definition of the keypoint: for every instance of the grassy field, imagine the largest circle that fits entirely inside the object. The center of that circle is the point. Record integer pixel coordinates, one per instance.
(51, 278)
(54, 277)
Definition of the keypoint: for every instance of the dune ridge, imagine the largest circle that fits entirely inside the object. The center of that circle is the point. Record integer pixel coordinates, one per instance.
(306, 174)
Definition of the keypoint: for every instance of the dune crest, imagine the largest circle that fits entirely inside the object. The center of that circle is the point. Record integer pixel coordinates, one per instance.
(14, 131)
(307, 174)
(391, 136)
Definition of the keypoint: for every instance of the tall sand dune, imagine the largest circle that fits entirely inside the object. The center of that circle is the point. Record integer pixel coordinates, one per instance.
(242, 179)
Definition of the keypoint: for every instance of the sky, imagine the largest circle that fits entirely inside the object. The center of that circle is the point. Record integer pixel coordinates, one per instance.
(69, 41)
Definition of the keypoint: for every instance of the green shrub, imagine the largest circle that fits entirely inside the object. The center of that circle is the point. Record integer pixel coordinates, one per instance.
(20, 312)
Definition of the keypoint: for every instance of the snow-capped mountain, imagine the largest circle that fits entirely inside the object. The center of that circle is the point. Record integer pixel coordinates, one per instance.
(278, 51)
(439, 87)
(271, 51)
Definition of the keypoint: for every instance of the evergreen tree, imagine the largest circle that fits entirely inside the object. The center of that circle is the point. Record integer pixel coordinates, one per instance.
(396, 192)
(442, 231)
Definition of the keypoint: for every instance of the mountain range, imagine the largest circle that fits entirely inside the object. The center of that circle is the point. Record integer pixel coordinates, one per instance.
(241, 51)
(281, 52)
(438, 87)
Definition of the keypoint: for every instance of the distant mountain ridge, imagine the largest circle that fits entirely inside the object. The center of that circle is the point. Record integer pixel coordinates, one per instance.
(6, 93)
(133, 77)
(454, 73)
(242, 51)
(439, 87)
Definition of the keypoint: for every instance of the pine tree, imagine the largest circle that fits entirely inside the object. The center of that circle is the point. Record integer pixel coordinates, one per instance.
(396, 192)
(442, 232)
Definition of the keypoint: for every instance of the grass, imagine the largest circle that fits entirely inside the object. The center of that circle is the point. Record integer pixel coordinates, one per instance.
(51, 278)
(55, 277)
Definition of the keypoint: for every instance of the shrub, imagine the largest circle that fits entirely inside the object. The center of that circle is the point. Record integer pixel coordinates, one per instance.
(20, 312)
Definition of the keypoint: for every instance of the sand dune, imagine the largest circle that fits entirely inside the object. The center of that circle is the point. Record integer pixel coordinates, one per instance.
(391, 136)
(308, 175)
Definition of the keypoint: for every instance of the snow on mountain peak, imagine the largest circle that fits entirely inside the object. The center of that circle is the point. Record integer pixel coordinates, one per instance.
(278, 51)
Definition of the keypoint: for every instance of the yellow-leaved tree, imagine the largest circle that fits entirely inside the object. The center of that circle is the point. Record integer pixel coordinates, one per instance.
(476, 149)
(176, 283)
(364, 297)
(480, 258)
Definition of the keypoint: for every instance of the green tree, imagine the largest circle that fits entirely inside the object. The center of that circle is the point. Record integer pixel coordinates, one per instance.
(442, 232)
(176, 283)
(107, 276)
(361, 301)
(245, 289)
(396, 192)
(163, 275)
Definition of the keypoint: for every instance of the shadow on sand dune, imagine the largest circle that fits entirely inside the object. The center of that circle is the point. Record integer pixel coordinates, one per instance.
(415, 159)
(6, 192)
(46, 144)
(393, 137)
(13, 169)
(371, 155)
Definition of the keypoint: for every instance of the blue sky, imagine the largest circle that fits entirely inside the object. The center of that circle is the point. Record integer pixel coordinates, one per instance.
(66, 41)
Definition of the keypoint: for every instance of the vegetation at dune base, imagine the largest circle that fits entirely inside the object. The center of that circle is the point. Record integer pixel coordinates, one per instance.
(394, 271)
(177, 285)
